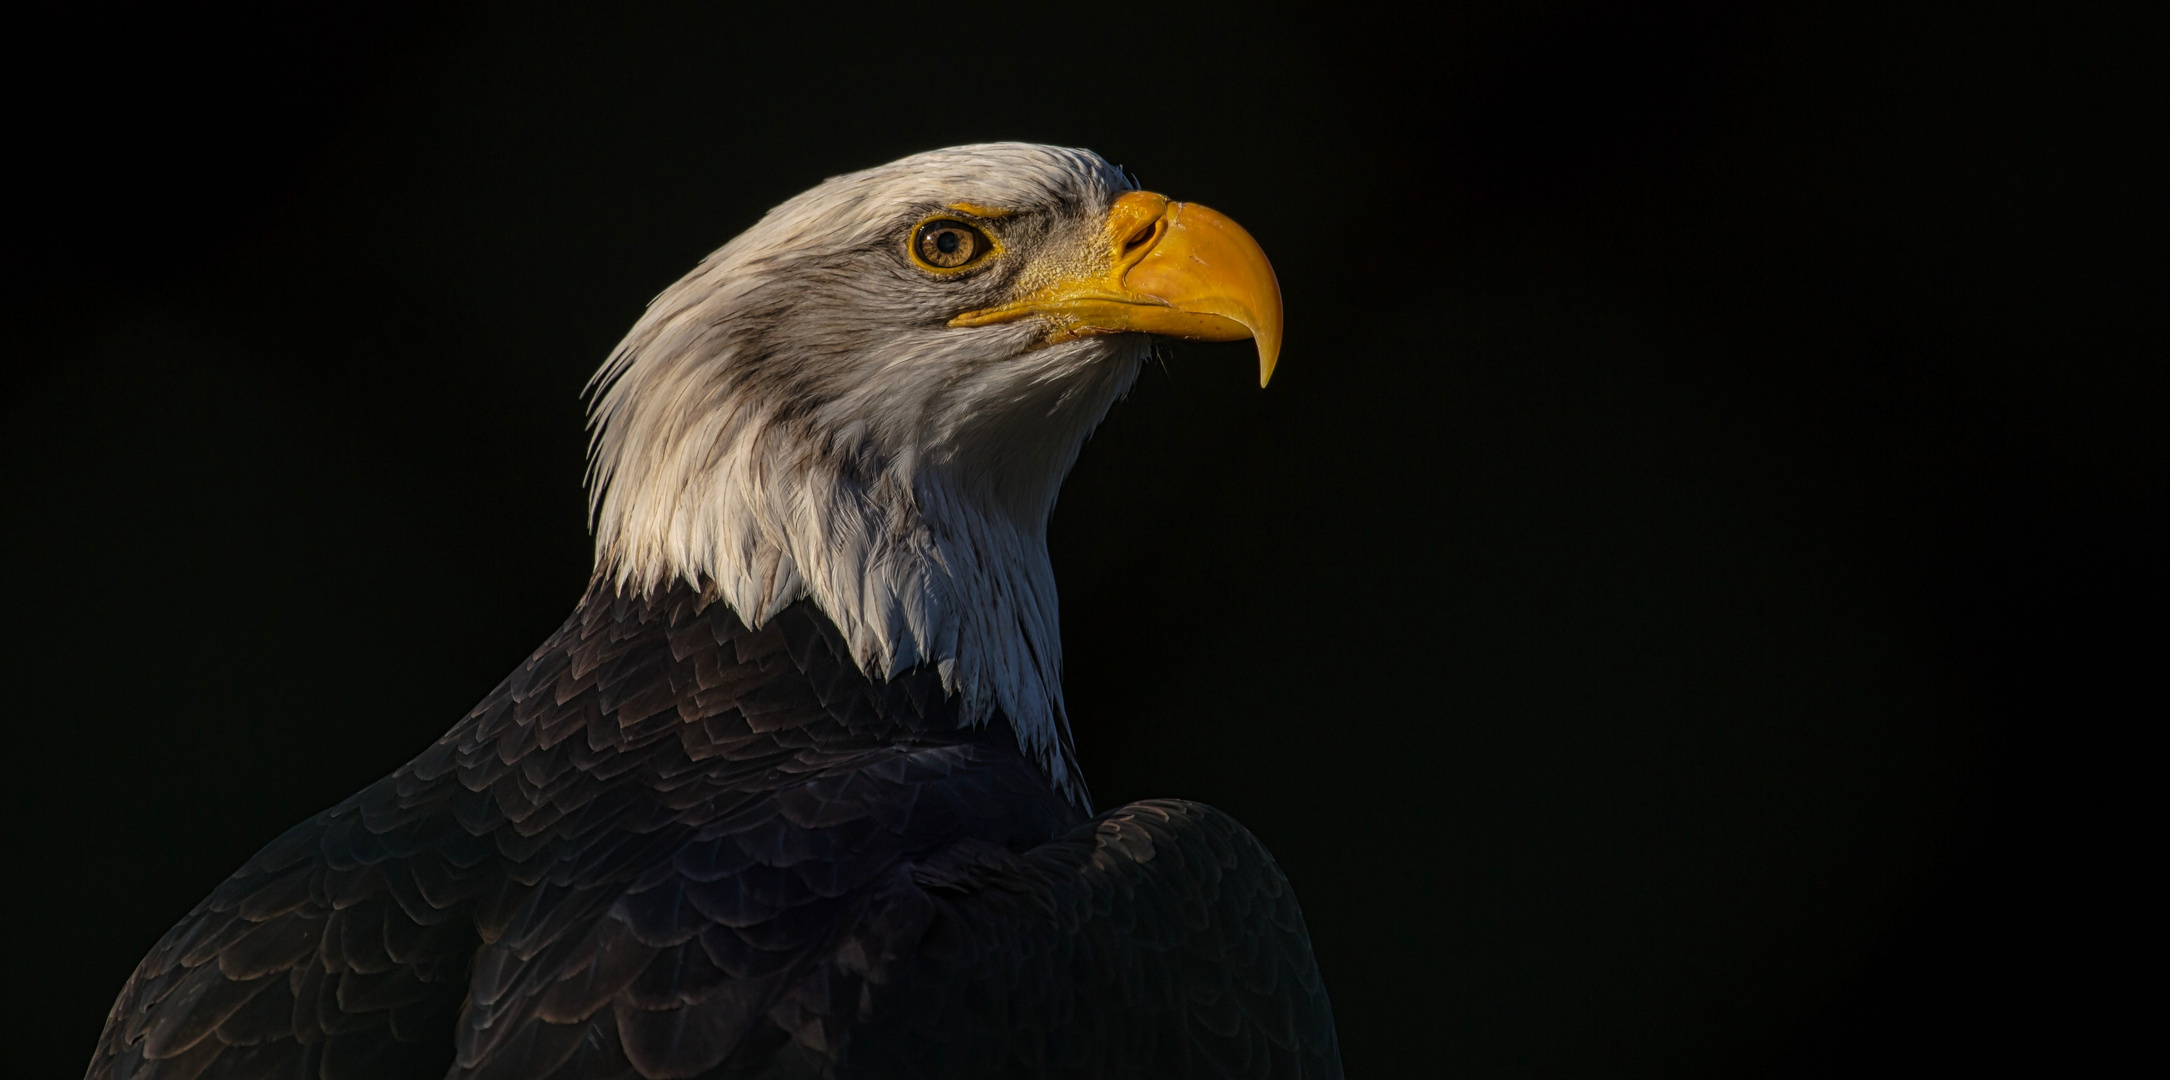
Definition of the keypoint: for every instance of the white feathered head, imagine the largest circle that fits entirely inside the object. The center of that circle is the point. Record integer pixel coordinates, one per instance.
(871, 397)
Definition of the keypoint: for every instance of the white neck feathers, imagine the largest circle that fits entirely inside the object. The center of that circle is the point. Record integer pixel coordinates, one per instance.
(897, 480)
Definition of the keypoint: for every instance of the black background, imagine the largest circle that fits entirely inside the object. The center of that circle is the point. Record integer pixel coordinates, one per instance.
(1679, 611)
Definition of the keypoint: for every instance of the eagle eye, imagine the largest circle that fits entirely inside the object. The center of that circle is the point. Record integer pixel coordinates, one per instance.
(949, 244)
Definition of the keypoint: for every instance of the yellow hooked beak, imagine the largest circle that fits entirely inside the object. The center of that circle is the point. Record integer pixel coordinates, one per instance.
(1177, 269)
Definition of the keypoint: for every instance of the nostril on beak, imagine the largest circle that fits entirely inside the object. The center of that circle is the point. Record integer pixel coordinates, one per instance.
(1144, 234)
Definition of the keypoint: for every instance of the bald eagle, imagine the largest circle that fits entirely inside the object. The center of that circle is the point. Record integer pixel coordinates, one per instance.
(792, 792)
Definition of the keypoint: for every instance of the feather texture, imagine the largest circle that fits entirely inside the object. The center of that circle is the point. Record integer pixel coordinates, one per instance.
(670, 845)
(795, 418)
(792, 792)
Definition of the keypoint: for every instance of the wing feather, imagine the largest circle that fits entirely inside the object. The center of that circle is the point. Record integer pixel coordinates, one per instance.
(1159, 940)
(671, 846)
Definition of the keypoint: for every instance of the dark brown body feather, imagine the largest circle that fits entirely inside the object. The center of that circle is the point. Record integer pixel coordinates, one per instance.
(672, 846)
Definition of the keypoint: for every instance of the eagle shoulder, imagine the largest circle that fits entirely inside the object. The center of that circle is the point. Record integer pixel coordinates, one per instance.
(1158, 940)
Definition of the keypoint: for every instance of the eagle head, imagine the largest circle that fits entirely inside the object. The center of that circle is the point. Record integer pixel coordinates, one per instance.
(871, 397)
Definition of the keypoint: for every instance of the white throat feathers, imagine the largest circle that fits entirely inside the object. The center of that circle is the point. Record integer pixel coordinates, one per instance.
(796, 418)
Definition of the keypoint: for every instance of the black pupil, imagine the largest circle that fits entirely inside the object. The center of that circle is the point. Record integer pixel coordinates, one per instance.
(948, 242)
